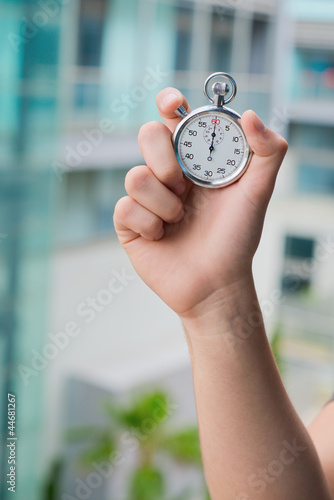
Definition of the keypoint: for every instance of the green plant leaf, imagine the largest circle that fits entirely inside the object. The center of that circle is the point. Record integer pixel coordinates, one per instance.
(147, 483)
(184, 446)
(149, 406)
(50, 489)
(100, 452)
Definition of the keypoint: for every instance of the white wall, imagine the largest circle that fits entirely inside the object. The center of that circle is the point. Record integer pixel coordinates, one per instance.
(135, 326)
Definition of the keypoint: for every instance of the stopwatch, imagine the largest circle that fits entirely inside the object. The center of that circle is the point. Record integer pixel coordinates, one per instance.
(209, 143)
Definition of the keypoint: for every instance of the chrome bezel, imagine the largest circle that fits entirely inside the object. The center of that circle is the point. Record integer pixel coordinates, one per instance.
(218, 183)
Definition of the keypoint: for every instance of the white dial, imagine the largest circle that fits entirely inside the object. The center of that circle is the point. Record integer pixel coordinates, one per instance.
(211, 147)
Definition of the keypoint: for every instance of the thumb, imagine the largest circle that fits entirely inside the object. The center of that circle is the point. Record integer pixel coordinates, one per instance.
(269, 150)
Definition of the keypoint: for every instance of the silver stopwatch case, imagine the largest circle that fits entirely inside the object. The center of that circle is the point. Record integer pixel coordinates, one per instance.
(209, 143)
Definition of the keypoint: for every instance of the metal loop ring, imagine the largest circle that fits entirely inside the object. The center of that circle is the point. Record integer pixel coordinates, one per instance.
(227, 77)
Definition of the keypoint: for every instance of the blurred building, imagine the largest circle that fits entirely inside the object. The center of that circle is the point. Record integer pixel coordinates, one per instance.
(79, 81)
(117, 62)
(28, 102)
(113, 64)
(297, 249)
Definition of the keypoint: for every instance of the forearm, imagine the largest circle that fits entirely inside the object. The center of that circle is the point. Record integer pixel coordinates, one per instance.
(322, 433)
(253, 443)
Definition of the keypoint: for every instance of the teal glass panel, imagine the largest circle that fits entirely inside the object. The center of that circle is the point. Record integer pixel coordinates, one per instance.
(29, 39)
(315, 179)
(313, 74)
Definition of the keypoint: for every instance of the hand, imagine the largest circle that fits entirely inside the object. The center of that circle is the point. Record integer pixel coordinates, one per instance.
(192, 245)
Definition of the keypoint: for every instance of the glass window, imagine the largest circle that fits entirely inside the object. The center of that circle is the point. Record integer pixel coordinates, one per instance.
(297, 275)
(42, 53)
(89, 51)
(312, 136)
(299, 248)
(316, 179)
(87, 95)
(86, 203)
(221, 41)
(259, 47)
(184, 17)
(314, 74)
(314, 149)
(91, 22)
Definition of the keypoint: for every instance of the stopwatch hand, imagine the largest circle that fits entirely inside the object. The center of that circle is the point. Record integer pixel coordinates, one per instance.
(213, 135)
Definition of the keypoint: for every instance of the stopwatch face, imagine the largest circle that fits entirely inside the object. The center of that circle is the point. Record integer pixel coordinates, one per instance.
(211, 147)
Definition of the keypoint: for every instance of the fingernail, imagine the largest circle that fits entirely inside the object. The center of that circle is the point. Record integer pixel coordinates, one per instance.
(180, 217)
(259, 125)
(168, 98)
(179, 189)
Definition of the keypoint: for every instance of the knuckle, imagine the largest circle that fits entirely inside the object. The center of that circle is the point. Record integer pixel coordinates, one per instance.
(169, 175)
(137, 178)
(175, 210)
(154, 227)
(122, 208)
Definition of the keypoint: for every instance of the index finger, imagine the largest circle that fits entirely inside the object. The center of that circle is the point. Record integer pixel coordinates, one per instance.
(168, 100)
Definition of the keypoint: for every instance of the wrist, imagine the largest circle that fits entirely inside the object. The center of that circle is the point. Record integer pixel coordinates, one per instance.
(227, 310)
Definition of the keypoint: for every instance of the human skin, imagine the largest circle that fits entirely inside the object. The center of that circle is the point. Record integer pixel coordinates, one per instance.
(322, 433)
(194, 247)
